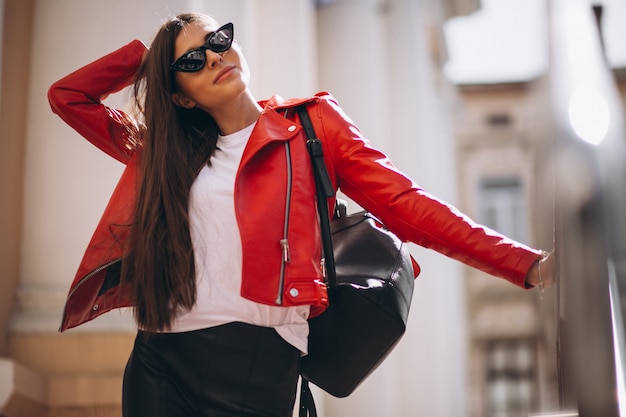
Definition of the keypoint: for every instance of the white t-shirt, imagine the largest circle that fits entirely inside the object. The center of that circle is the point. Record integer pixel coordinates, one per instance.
(218, 258)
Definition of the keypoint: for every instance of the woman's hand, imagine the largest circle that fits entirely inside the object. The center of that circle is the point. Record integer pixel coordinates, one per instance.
(542, 274)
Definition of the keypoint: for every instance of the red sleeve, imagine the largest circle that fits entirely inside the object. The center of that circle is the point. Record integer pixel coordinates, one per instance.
(77, 99)
(368, 177)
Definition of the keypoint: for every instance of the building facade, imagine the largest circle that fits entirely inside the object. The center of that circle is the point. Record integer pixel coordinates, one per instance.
(501, 133)
(510, 149)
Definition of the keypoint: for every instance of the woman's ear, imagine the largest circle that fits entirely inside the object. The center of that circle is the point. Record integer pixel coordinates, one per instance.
(183, 101)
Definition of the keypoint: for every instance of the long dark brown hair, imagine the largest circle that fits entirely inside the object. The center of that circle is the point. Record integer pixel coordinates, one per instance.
(159, 268)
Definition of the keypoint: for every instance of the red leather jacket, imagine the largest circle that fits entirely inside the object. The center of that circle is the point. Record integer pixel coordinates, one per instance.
(265, 205)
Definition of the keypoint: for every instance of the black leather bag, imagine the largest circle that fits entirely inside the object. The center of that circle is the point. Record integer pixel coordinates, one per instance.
(369, 305)
(370, 281)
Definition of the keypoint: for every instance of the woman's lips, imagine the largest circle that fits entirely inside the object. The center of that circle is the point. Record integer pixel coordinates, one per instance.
(223, 73)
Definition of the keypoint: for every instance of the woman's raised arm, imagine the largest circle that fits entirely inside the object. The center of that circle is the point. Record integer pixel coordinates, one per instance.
(77, 99)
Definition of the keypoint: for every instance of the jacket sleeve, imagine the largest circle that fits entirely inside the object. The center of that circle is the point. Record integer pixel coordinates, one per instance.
(368, 177)
(77, 99)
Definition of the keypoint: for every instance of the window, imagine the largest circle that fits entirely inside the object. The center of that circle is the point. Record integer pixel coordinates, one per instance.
(510, 383)
(499, 120)
(502, 206)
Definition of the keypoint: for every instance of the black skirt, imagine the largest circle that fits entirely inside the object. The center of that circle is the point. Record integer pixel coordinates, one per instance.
(233, 370)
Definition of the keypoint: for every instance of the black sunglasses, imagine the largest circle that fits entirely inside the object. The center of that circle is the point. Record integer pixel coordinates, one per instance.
(194, 60)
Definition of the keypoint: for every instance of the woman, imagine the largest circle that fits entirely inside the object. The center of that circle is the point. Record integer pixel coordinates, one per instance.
(212, 237)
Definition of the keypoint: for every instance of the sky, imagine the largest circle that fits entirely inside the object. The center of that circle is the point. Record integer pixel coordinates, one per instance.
(506, 40)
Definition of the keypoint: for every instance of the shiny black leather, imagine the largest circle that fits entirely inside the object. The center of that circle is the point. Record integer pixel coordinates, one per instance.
(369, 305)
(234, 370)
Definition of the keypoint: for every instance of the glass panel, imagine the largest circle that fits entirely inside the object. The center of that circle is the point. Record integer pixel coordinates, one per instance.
(510, 383)
(503, 206)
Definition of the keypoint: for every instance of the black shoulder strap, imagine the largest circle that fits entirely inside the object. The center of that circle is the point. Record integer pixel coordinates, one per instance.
(325, 190)
(317, 156)
(307, 403)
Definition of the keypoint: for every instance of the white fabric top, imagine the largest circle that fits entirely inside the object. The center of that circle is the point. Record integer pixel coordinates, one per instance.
(217, 253)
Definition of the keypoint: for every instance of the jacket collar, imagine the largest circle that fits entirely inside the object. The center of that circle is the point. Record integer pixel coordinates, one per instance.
(278, 103)
(272, 125)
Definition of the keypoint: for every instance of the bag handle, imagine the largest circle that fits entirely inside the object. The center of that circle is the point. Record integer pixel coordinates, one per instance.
(307, 403)
(325, 190)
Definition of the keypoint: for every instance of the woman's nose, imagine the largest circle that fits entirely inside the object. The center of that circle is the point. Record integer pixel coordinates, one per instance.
(212, 58)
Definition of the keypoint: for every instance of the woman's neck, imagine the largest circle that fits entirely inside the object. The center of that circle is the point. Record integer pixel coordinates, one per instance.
(238, 114)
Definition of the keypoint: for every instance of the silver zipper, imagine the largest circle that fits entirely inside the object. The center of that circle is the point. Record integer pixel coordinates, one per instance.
(284, 242)
(84, 279)
(91, 274)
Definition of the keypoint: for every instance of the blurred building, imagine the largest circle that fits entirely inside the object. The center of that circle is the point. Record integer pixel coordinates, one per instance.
(620, 78)
(505, 136)
(500, 132)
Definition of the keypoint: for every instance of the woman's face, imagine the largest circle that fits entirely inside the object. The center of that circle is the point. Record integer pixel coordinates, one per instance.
(220, 82)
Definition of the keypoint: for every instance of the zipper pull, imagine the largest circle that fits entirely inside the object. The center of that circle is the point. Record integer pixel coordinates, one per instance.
(284, 243)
